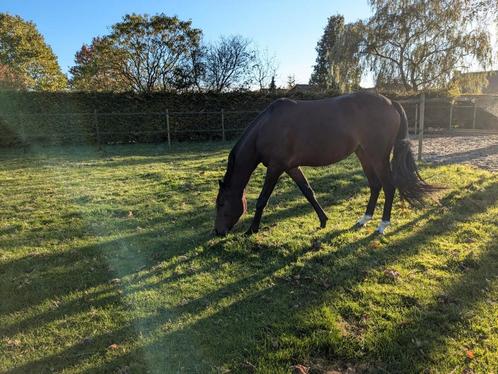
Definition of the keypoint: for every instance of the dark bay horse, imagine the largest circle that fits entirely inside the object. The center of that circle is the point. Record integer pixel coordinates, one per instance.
(289, 134)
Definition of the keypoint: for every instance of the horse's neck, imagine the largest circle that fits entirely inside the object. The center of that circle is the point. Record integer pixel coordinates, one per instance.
(246, 160)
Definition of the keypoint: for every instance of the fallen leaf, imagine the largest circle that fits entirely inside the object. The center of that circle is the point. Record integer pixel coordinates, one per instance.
(374, 244)
(469, 354)
(391, 274)
(300, 369)
(13, 342)
(130, 214)
(113, 347)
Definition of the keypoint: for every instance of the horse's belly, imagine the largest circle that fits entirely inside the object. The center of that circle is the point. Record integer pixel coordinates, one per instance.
(323, 151)
(322, 159)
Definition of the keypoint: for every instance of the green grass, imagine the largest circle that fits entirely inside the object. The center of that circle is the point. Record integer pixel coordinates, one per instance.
(107, 264)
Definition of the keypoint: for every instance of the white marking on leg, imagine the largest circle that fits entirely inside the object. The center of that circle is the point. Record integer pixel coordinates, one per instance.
(382, 226)
(364, 220)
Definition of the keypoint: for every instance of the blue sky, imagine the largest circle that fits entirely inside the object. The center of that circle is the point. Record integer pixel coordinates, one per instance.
(287, 28)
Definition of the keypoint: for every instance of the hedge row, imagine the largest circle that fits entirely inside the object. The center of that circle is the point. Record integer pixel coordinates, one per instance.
(86, 118)
(36, 117)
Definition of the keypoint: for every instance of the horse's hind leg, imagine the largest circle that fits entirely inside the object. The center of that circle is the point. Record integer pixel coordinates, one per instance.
(384, 174)
(297, 176)
(374, 184)
(271, 178)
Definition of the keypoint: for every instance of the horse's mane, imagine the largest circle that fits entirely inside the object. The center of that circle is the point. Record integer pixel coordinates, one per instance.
(231, 155)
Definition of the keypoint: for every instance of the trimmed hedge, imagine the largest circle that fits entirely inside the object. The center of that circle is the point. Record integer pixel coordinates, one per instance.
(69, 117)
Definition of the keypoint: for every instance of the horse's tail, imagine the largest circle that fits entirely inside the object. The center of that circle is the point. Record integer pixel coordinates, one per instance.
(406, 177)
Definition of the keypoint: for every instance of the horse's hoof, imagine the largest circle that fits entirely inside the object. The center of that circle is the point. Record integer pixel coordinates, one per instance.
(250, 232)
(323, 221)
(382, 227)
(363, 221)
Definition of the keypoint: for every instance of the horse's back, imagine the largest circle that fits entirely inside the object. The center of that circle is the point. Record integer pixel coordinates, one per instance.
(321, 132)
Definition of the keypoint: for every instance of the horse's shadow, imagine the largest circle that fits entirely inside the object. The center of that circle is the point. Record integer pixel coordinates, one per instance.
(281, 287)
(243, 319)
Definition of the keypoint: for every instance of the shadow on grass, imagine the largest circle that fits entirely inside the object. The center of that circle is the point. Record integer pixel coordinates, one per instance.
(228, 325)
(225, 325)
(427, 329)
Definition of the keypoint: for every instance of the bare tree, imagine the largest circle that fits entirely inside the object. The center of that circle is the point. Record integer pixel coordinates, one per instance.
(264, 69)
(228, 64)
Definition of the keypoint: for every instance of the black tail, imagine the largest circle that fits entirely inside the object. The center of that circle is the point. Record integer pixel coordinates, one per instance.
(406, 177)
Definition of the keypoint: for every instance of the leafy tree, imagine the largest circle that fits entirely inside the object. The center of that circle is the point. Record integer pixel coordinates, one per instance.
(338, 64)
(418, 44)
(321, 70)
(94, 69)
(144, 53)
(272, 89)
(150, 49)
(188, 76)
(228, 64)
(291, 81)
(9, 78)
(26, 56)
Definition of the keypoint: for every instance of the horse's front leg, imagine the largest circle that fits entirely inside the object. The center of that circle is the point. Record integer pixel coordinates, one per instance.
(297, 176)
(271, 178)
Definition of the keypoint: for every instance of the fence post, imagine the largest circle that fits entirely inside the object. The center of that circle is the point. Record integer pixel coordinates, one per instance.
(97, 129)
(452, 103)
(475, 110)
(421, 125)
(222, 125)
(22, 132)
(168, 133)
(415, 125)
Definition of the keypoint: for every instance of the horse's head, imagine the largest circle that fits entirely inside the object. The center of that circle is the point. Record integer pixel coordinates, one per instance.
(230, 206)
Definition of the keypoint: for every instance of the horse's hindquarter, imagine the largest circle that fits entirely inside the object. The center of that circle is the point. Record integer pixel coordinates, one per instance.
(313, 133)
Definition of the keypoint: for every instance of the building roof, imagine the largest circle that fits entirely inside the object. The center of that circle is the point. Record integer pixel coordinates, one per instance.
(492, 77)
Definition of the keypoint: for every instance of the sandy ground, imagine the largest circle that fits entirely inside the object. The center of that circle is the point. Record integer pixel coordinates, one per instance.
(479, 150)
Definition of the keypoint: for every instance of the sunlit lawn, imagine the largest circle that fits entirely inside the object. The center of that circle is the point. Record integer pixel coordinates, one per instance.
(107, 264)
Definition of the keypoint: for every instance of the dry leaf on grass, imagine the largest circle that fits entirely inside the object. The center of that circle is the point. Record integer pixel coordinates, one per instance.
(375, 244)
(391, 274)
(469, 354)
(13, 342)
(300, 369)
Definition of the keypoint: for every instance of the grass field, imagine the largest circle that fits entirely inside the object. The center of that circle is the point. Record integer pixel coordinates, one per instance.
(107, 264)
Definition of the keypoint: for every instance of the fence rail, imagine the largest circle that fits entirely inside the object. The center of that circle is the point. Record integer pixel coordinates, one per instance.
(426, 116)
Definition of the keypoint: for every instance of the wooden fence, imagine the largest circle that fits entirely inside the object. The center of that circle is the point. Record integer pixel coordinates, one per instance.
(139, 127)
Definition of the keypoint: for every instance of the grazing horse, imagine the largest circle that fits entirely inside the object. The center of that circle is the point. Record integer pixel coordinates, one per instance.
(289, 134)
